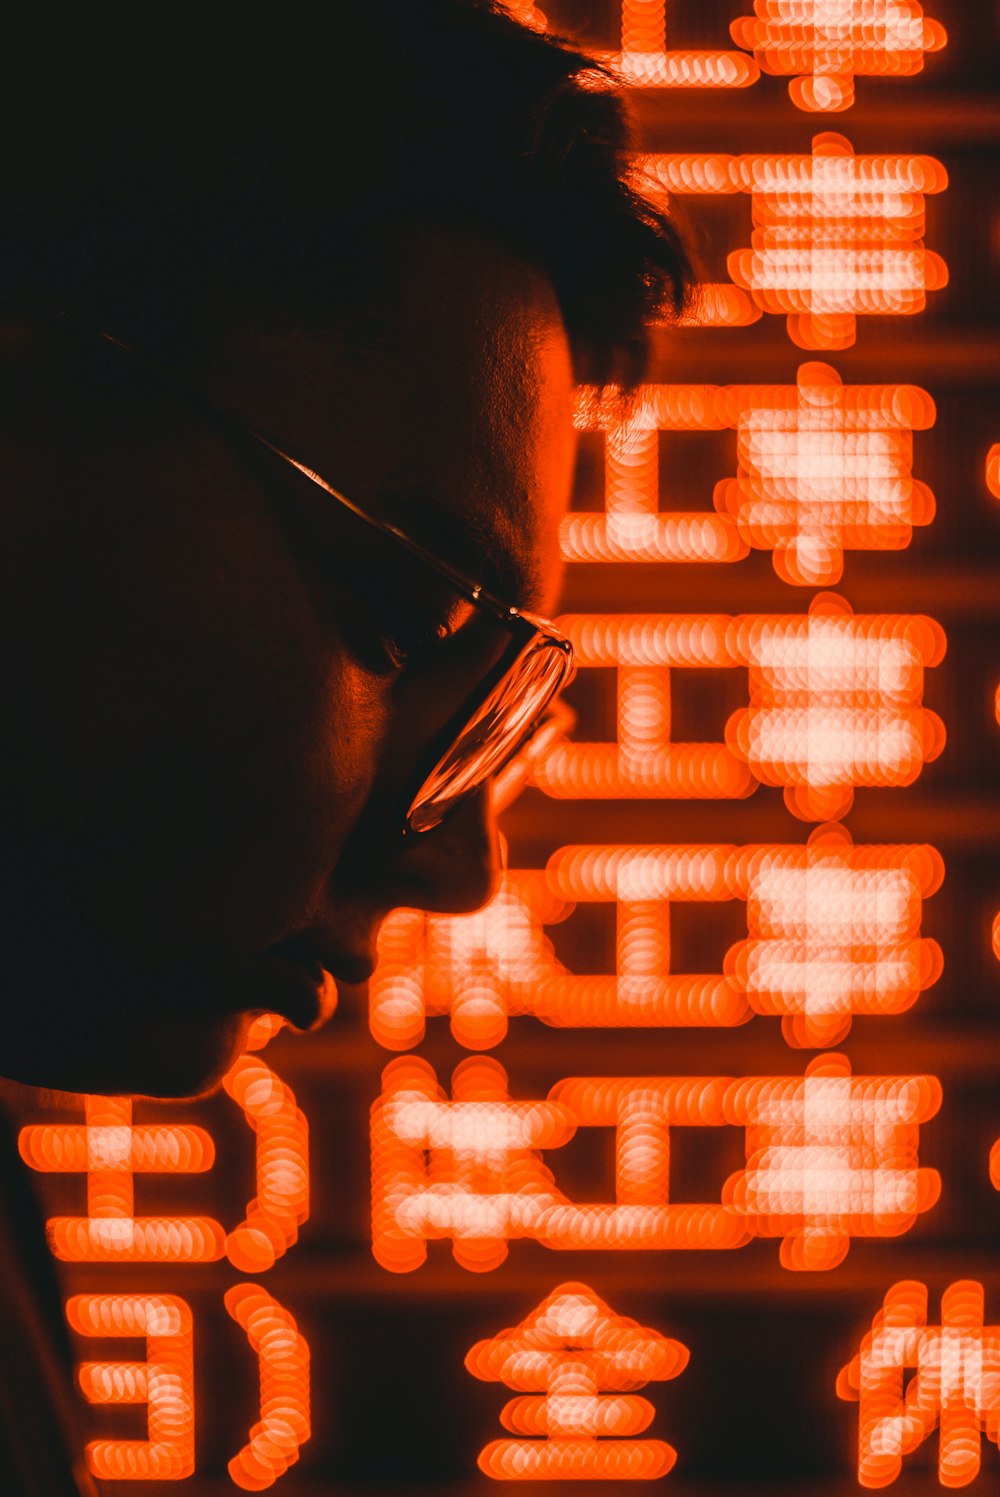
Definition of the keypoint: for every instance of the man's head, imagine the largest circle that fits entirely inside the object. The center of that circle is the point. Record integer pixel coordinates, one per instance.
(217, 684)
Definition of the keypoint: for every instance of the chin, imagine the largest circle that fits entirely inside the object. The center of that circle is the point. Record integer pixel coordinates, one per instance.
(173, 1054)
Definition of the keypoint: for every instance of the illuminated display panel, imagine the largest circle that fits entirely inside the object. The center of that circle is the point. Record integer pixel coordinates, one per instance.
(680, 1162)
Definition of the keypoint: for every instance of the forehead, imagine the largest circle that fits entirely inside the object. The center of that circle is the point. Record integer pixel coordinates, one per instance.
(453, 421)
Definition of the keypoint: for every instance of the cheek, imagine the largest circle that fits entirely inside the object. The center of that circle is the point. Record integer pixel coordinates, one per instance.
(288, 794)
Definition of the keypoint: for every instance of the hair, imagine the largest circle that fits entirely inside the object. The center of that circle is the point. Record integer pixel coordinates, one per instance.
(258, 173)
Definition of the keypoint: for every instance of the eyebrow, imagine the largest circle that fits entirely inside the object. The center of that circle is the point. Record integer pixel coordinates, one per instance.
(473, 542)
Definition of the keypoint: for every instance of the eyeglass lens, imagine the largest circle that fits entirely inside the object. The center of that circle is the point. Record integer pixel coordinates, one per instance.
(499, 727)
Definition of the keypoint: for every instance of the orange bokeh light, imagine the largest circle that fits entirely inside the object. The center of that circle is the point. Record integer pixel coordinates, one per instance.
(829, 44)
(467, 1168)
(283, 1354)
(836, 236)
(829, 1156)
(822, 468)
(645, 61)
(164, 1381)
(833, 930)
(111, 1150)
(835, 702)
(576, 1365)
(955, 1388)
(281, 1205)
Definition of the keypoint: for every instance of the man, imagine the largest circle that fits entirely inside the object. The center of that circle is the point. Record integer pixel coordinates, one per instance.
(287, 351)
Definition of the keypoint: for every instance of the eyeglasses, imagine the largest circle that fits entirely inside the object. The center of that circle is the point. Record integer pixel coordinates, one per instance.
(509, 707)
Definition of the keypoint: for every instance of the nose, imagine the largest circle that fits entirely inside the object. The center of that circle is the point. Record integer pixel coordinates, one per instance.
(455, 867)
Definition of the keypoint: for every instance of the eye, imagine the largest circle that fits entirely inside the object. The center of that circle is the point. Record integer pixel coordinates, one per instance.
(408, 639)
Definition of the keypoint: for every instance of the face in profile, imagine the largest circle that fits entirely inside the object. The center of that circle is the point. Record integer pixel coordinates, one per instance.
(220, 686)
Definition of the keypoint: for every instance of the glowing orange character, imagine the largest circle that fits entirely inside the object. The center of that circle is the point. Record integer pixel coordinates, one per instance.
(281, 1205)
(955, 1388)
(560, 1358)
(831, 1156)
(833, 931)
(478, 968)
(830, 42)
(645, 60)
(836, 236)
(644, 762)
(467, 1168)
(835, 702)
(631, 527)
(110, 1150)
(823, 467)
(283, 1427)
(164, 1381)
(643, 1110)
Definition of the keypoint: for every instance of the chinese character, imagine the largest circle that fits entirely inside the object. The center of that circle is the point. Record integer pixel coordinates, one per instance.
(825, 468)
(111, 1150)
(834, 931)
(828, 42)
(836, 236)
(835, 703)
(644, 59)
(164, 1381)
(955, 1388)
(467, 1168)
(831, 1156)
(576, 1365)
(644, 762)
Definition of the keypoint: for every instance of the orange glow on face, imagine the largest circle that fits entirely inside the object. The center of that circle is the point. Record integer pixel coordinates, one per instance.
(829, 42)
(110, 1150)
(831, 1156)
(576, 1365)
(955, 1388)
(164, 1381)
(281, 1205)
(822, 468)
(834, 703)
(836, 236)
(833, 930)
(283, 1353)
